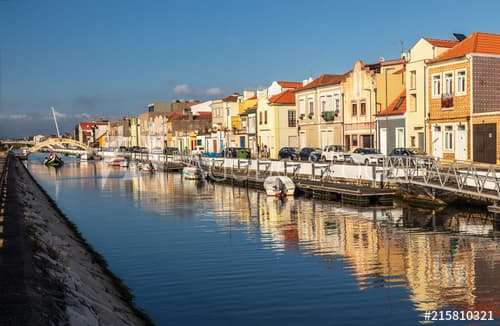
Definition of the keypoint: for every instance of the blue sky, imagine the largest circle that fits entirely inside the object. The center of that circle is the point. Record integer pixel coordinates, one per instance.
(94, 58)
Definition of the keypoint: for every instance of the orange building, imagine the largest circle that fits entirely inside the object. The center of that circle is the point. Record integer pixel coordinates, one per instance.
(464, 100)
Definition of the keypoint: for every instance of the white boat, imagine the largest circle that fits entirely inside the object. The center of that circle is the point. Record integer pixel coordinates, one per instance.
(279, 185)
(117, 161)
(148, 167)
(193, 172)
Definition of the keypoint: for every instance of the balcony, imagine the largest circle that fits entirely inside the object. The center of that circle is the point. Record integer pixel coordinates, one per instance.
(328, 115)
(447, 101)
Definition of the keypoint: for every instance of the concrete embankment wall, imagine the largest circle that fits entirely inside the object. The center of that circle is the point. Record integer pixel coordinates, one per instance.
(49, 275)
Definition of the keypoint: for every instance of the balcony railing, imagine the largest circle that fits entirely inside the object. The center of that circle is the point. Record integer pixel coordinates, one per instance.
(328, 115)
(447, 101)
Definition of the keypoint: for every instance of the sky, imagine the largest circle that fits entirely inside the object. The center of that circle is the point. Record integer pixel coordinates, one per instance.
(94, 59)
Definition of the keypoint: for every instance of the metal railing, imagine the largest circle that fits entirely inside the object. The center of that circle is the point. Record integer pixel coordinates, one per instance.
(463, 177)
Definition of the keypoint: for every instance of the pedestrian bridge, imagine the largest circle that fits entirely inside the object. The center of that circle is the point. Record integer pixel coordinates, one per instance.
(474, 179)
(60, 145)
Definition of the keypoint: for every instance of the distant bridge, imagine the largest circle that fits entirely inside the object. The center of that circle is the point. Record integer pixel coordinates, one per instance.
(57, 145)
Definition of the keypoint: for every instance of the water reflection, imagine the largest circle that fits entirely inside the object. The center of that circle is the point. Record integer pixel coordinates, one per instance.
(447, 259)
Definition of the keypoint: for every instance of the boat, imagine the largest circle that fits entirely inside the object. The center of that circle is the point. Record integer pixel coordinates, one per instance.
(118, 161)
(53, 160)
(193, 172)
(278, 186)
(148, 167)
(85, 158)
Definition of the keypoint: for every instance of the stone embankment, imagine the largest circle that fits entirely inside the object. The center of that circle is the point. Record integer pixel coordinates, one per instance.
(49, 275)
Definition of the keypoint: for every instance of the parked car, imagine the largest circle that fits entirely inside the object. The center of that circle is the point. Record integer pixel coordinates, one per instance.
(409, 156)
(236, 152)
(310, 154)
(157, 150)
(198, 150)
(334, 153)
(288, 153)
(366, 156)
(171, 151)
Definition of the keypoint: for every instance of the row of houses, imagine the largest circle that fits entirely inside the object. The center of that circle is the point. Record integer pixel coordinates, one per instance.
(442, 96)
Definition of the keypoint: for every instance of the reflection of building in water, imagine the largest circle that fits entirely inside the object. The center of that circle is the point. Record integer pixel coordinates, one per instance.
(441, 269)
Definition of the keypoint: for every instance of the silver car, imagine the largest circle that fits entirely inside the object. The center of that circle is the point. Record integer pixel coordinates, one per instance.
(367, 156)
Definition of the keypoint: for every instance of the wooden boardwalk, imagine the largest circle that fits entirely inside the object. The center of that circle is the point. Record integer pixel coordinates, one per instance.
(355, 194)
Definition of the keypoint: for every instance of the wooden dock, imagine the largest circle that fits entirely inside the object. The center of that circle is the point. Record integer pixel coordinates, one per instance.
(354, 194)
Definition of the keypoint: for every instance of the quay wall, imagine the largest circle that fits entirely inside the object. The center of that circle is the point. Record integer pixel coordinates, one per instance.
(49, 275)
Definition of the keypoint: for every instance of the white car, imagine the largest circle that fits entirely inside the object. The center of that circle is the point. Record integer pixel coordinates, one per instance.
(334, 153)
(157, 150)
(367, 156)
(198, 150)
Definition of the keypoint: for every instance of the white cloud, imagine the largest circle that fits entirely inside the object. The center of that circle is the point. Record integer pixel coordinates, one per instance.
(214, 91)
(83, 115)
(19, 117)
(182, 89)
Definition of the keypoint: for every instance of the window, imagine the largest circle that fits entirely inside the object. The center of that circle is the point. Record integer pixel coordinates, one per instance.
(413, 102)
(302, 107)
(260, 117)
(448, 138)
(363, 108)
(461, 86)
(292, 119)
(323, 104)
(265, 117)
(412, 141)
(311, 107)
(400, 137)
(354, 109)
(413, 79)
(436, 85)
(448, 83)
(337, 104)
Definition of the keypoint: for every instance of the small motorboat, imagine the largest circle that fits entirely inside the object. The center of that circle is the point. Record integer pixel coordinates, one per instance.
(278, 186)
(53, 160)
(148, 167)
(193, 172)
(118, 161)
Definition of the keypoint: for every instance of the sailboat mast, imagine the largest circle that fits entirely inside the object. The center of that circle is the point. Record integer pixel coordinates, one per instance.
(55, 120)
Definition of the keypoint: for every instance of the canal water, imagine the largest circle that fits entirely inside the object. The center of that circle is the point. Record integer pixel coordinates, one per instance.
(198, 253)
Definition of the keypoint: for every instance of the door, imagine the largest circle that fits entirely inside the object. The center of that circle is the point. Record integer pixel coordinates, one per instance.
(214, 145)
(383, 141)
(421, 142)
(242, 142)
(303, 139)
(437, 142)
(485, 143)
(326, 137)
(461, 144)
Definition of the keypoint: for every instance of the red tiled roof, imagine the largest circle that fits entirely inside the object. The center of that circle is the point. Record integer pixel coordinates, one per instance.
(286, 97)
(174, 116)
(324, 80)
(230, 98)
(204, 115)
(287, 84)
(441, 43)
(252, 98)
(88, 125)
(398, 106)
(483, 43)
